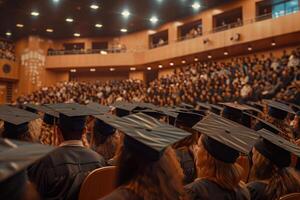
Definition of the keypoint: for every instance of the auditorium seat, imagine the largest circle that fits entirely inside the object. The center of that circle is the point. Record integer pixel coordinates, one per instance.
(292, 196)
(98, 183)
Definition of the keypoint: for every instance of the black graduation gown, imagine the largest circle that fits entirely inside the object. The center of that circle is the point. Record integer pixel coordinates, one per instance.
(257, 190)
(203, 189)
(187, 164)
(60, 174)
(121, 194)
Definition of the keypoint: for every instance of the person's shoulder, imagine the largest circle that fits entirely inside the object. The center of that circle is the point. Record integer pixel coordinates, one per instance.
(256, 189)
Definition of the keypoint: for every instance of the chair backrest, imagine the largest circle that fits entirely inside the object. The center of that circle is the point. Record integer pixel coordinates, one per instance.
(292, 196)
(98, 183)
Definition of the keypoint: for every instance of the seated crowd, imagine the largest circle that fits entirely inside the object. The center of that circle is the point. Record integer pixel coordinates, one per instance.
(171, 141)
(7, 50)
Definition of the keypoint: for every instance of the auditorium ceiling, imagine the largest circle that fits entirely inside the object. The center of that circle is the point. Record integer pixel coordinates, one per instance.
(92, 18)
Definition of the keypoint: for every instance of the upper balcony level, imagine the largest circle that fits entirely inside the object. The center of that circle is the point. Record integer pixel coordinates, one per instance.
(247, 31)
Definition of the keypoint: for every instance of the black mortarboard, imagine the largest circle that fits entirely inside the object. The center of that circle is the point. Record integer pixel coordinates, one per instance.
(144, 137)
(50, 116)
(31, 107)
(15, 157)
(276, 149)
(124, 108)
(205, 106)
(15, 120)
(188, 118)
(224, 139)
(263, 124)
(153, 113)
(96, 106)
(72, 116)
(256, 105)
(234, 112)
(186, 106)
(216, 109)
(278, 110)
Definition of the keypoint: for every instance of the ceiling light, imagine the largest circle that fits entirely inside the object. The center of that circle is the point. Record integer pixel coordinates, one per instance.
(103, 52)
(273, 43)
(8, 33)
(35, 13)
(73, 70)
(19, 25)
(153, 20)
(94, 6)
(98, 25)
(126, 13)
(196, 59)
(49, 30)
(55, 1)
(149, 68)
(249, 48)
(196, 6)
(226, 53)
(209, 56)
(112, 69)
(132, 68)
(123, 30)
(70, 20)
(183, 61)
(76, 34)
(160, 66)
(92, 70)
(171, 64)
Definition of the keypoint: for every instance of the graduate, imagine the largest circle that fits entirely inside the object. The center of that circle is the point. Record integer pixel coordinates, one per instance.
(16, 123)
(273, 178)
(221, 143)
(60, 174)
(15, 157)
(147, 167)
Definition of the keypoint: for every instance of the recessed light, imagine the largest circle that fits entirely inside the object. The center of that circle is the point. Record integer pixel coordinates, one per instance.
(123, 30)
(103, 52)
(76, 34)
(153, 20)
(149, 68)
(92, 70)
(70, 20)
(8, 33)
(112, 69)
(98, 25)
(73, 70)
(132, 68)
(94, 6)
(126, 13)
(171, 64)
(183, 61)
(249, 48)
(196, 5)
(19, 25)
(35, 13)
(55, 1)
(273, 43)
(196, 59)
(226, 53)
(209, 56)
(160, 66)
(49, 30)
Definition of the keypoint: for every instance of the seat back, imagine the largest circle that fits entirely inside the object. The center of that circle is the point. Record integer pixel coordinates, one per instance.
(98, 183)
(292, 196)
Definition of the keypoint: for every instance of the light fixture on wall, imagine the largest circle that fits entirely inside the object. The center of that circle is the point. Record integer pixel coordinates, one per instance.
(183, 61)
(148, 68)
(171, 64)
(209, 56)
(226, 53)
(73, 70)
(132, 68)
(196, 59)
(249, 48)
(92, 70)
(112, 69)
(273, 43)
(160, 66)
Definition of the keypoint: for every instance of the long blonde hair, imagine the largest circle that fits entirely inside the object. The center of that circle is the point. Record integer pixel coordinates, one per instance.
(153, 180)
(281, 181)
(226, 175)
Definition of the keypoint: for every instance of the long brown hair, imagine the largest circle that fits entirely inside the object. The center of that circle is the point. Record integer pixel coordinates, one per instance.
(226, 175)
(151, 180)
(109, 148)
(281, 181)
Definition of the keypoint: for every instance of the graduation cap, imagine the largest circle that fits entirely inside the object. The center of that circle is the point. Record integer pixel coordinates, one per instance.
(204, 106)
(216, 109)
(278, 110)
(50, 117)
(188, 118)
(15, 120)
(276, 149)
(72, 116)
(263, 124)
(31, 107)
(15, 158)
(124, 108)
(96, 106)
(224, 139)
(187, 106)
(145, 135)
(256, 105)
